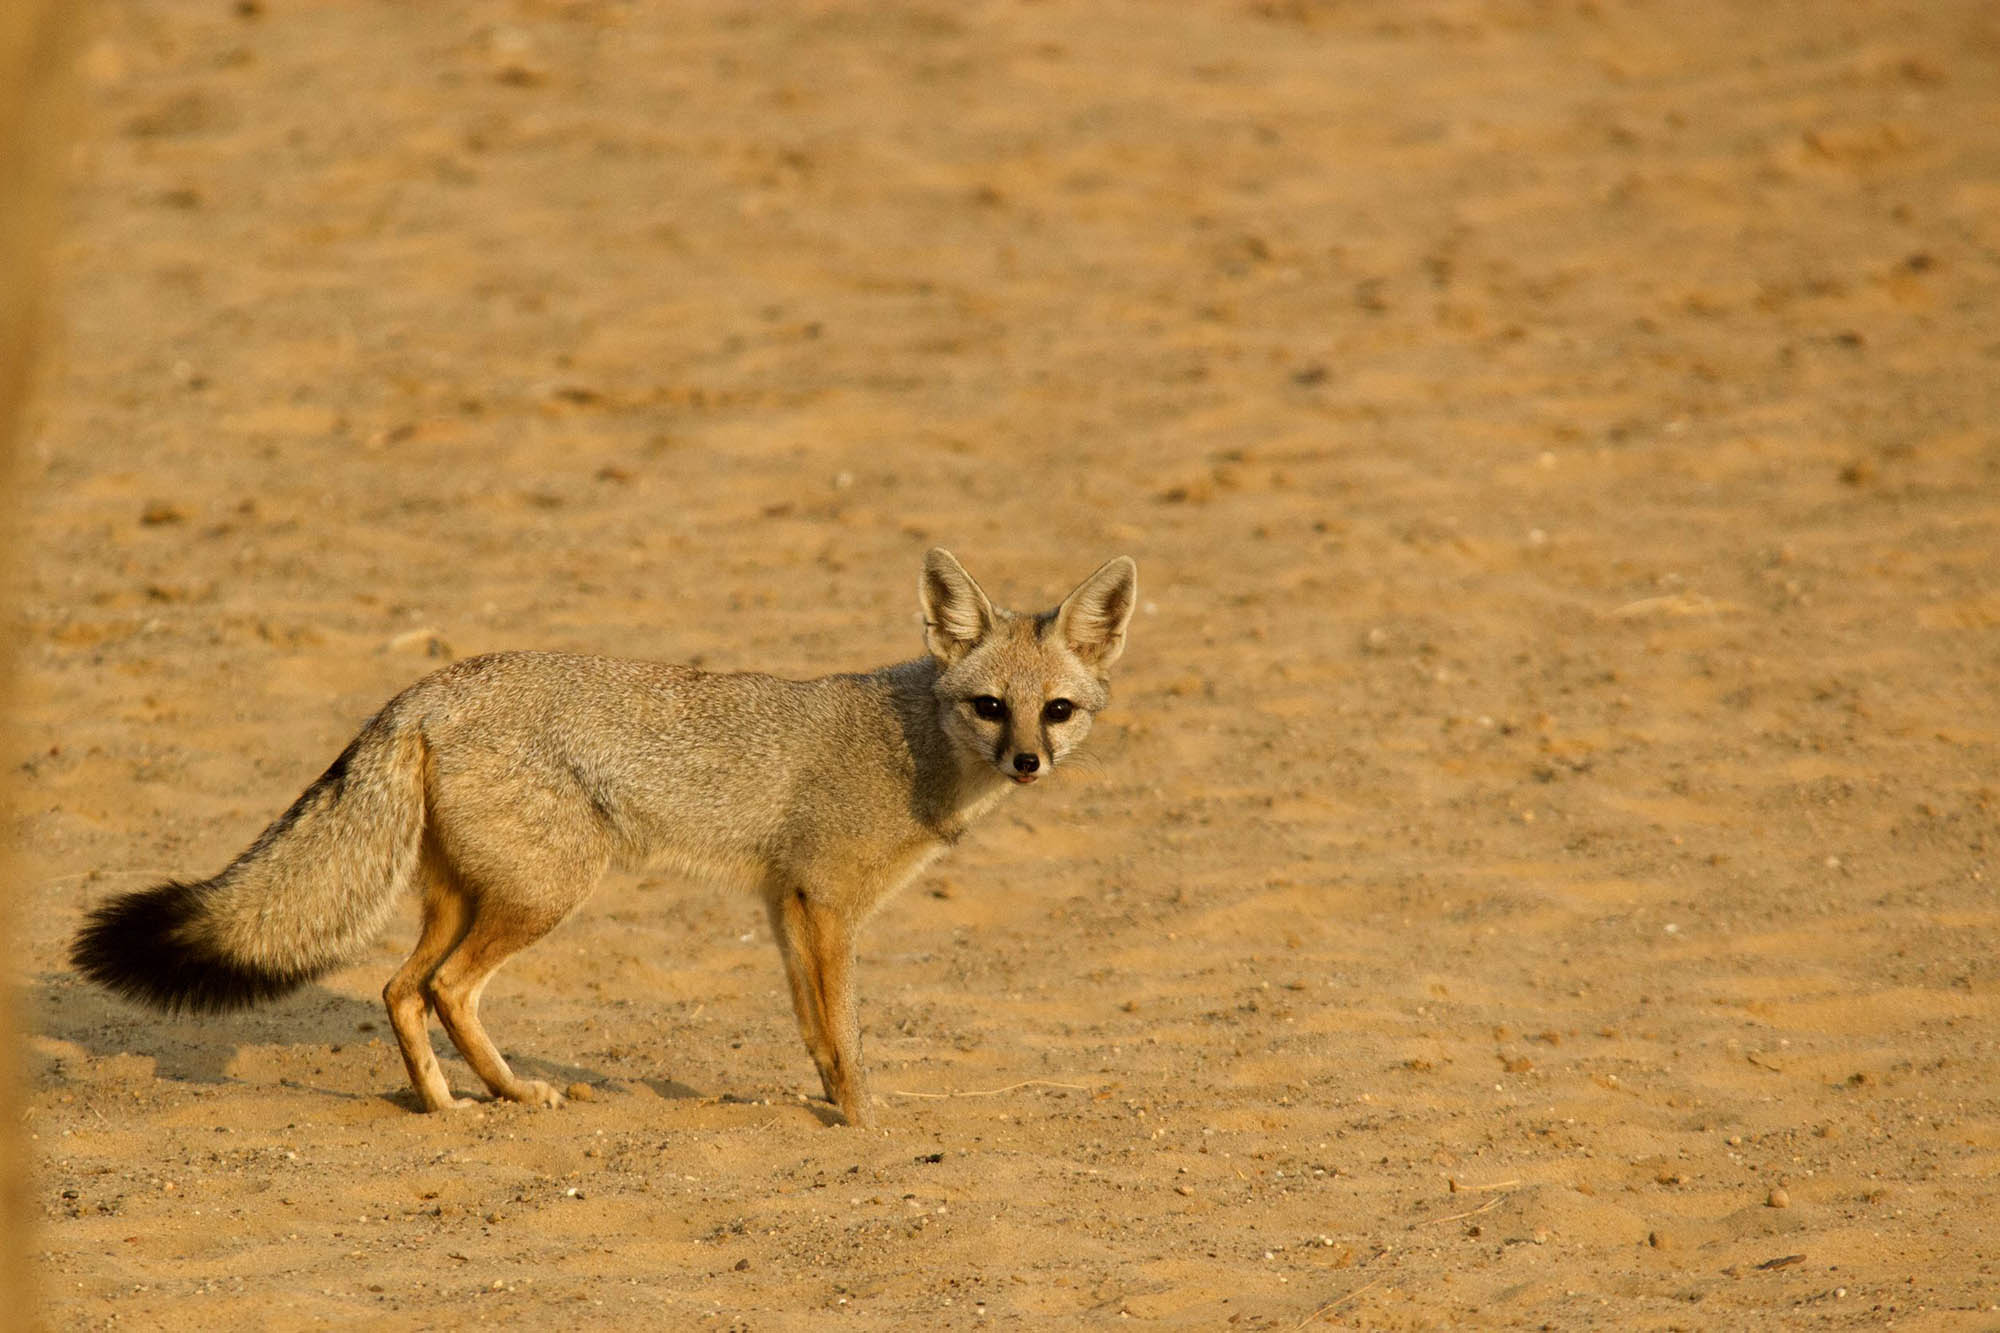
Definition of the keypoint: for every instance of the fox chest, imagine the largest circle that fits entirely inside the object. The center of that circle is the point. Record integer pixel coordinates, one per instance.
(864, 882)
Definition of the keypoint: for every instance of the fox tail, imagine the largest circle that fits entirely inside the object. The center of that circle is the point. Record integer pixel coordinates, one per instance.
(305, 897)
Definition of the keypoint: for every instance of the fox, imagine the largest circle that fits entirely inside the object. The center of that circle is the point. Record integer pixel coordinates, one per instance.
(501, 789)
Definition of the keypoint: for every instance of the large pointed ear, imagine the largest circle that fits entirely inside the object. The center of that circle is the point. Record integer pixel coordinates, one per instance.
(956, 613)
(1092, 619)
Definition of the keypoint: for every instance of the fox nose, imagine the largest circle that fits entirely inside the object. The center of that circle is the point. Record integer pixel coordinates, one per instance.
(1026, 763)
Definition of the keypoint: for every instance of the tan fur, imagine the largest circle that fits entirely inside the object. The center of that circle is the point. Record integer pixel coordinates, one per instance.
(502, 788)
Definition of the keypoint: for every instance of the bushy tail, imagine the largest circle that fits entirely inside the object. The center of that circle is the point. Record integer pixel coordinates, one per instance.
(314, 888)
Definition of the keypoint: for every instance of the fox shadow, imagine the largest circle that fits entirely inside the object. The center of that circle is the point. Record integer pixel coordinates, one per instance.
(202, 1048)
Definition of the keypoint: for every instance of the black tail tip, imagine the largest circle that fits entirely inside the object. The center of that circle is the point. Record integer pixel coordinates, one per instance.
(139, 946)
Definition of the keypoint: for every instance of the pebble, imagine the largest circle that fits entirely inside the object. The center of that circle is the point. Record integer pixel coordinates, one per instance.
(425, 641)
(516, 59)
(1779, 1199)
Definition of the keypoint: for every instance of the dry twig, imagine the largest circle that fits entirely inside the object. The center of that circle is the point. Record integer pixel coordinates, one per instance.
(1490, 1203)
(994, 1092)
(1333, 1305)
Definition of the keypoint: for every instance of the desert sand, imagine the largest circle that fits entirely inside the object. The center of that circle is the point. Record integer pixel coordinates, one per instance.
(1538, 868)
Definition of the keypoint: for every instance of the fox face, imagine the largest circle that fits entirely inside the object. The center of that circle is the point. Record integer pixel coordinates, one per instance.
(1017, 691)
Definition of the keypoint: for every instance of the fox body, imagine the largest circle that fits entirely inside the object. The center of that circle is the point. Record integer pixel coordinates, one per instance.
(501, 789)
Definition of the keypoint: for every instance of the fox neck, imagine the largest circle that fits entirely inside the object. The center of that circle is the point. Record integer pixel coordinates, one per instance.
(980, 788)
(952, 785)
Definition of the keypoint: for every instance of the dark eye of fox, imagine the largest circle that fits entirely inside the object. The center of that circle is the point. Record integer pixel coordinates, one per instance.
(989, 708)
(1057, 710)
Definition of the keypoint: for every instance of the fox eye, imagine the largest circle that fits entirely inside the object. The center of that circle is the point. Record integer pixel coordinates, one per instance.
(988, 708)
(1057, 710)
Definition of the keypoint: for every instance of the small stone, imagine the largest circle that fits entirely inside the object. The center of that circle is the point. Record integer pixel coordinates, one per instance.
(158, 512)
(580, 1092)
(1659, 1240)
(742, 1265)
(516, 60)
(425, 641)
(1779, 1199)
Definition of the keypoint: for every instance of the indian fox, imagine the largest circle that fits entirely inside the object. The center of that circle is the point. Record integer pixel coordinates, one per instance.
(501, 789)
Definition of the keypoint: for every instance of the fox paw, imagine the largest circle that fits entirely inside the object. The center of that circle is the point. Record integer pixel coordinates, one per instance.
(453, 1104)
(534, 1092)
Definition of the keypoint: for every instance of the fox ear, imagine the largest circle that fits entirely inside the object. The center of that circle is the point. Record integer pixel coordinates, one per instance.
(1092, 619)
(956, 613)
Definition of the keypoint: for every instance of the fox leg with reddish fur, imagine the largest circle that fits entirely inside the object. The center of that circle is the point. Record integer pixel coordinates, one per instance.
(818, 949)
(447, 918)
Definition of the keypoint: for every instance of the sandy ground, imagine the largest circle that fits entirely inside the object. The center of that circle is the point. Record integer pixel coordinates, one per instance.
(1539, 866)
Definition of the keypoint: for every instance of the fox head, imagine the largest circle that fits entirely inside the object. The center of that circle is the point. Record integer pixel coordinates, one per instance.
(1019, 690)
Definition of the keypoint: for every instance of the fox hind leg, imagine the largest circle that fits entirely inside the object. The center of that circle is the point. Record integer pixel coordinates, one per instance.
(499, 931)
(447, 916)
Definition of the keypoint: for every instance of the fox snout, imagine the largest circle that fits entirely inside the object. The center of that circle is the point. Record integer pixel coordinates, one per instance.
(1026, 767)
